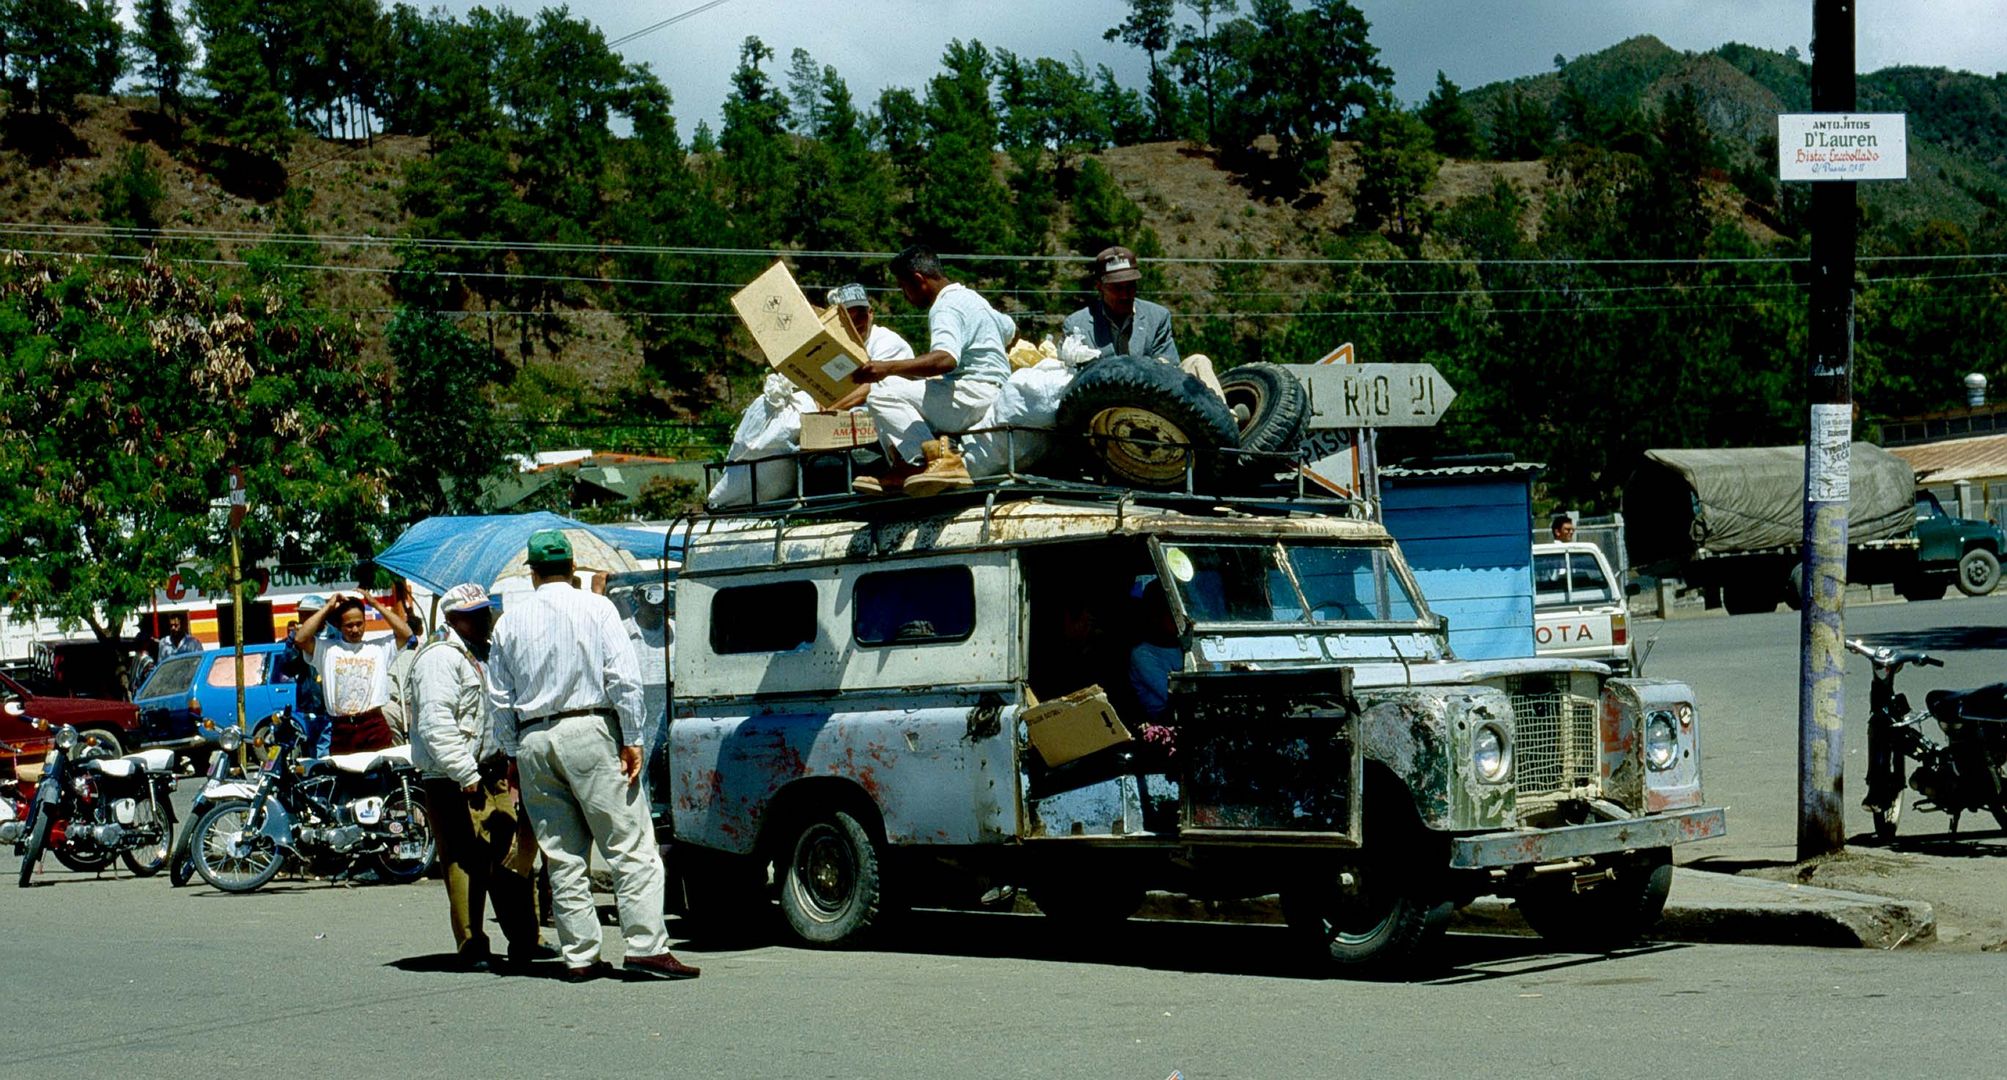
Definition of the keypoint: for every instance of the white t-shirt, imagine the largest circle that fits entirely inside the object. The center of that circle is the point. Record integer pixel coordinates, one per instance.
(965, 326)
(354, 678)
(883, 344)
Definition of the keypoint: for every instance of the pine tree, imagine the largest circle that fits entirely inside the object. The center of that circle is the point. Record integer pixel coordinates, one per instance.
(755, 151)
(1397, 162)
(247, 104)
(1521, 128)
(1207, 57)
(1450, 120)
(164, 51)
(960, 206)
(1149, 27)
(51, 57)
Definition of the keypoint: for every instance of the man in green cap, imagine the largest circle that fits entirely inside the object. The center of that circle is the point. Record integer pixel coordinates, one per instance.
(566, 687)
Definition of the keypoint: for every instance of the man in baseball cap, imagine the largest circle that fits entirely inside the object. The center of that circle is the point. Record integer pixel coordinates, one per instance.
(1119, 324)
(879, 343)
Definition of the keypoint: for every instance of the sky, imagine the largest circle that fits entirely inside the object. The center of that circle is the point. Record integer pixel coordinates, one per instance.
(875, 44)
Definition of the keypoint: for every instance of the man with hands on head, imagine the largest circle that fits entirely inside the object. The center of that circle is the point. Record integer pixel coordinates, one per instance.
(354, 673)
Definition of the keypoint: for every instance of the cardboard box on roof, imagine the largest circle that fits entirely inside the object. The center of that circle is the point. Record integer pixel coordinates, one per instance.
(837, 430)
(1071, 727)
(818, 351)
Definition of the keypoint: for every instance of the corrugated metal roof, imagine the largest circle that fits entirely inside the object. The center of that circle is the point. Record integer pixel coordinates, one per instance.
(1949, 460)
(1517, 468)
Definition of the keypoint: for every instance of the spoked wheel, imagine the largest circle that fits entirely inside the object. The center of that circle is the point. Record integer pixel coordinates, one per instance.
(409, 856)
(228, 854)
(833, 891)
(150, 858)
(32, 845)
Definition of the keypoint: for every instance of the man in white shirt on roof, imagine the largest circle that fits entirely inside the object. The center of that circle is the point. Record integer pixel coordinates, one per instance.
(949, 388)
(879, 343)
(566, 688)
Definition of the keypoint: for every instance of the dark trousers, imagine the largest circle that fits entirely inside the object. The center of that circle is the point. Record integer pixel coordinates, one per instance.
(360, 731)
(485, 862)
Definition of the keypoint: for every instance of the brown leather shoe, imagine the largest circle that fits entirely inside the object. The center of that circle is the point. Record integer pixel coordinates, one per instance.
(587, 973)
(660, 966)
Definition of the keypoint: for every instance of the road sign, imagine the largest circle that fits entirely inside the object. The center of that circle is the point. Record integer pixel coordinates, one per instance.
(239, 498)
(1842, 146)
(1374, 395)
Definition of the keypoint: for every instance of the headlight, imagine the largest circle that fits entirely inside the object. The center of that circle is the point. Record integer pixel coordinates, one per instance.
(1661, 740)
(66, 738)
(230, 738)
(1490, 754)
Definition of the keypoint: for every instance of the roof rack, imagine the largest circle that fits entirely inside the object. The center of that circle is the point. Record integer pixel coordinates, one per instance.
(836, 469)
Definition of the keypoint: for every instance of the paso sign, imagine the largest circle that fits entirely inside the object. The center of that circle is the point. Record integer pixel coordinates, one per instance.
(1374, 395)
(1842, 146)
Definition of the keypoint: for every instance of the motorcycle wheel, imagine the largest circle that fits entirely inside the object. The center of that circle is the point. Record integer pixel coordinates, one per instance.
(410, 858)
(82, 864)
(212, 847)
(149, 859)
(32, 845)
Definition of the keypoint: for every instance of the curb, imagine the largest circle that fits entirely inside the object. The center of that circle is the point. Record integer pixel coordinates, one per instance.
(1703, 908)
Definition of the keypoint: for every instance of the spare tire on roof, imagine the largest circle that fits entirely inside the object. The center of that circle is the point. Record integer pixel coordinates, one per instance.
(1141, 420)
(1271, 407)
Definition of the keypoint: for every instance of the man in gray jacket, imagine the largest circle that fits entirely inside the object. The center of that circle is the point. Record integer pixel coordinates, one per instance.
(1119, 324)
(488, 857)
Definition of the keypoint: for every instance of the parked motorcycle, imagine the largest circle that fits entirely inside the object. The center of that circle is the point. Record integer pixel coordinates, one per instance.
(1966, 772)
(232, 777)
(333, 816)
(90, 808)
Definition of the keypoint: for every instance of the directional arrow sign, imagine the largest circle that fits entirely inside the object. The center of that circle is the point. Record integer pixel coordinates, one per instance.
(1374, 395)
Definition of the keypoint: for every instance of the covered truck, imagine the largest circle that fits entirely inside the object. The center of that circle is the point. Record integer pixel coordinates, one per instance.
(1732, 522)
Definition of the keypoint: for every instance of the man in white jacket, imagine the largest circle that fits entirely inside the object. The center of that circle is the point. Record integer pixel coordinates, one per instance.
(487, 857)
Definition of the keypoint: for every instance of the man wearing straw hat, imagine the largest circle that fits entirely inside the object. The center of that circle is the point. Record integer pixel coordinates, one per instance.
(566, 689)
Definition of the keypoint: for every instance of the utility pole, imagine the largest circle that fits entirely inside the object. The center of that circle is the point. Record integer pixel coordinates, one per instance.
(239, 501)
(1828, 468)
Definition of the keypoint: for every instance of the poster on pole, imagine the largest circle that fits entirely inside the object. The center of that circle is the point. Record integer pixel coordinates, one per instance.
(1842, 146)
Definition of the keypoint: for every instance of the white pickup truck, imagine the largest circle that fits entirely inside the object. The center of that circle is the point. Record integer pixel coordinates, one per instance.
(1579, 610)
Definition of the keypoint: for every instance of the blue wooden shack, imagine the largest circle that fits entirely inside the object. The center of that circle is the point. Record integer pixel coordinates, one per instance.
(1467, 532)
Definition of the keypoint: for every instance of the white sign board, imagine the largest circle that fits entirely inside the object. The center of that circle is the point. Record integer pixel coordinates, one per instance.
(1842, 146)
(1374, 395)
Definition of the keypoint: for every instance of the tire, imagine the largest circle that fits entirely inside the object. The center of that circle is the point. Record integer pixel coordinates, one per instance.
(32, 845)
(1385, 924)
(1887, 818)
(1978, 572)
(1271, 408)
(1794, 588)
(411, 858)
(82, 864)
(1609, 916)
(108, 740)
(1748, 598)
(832, 890)
(1141, 419)
(1924, 587)
(152, 859)
(210, 847)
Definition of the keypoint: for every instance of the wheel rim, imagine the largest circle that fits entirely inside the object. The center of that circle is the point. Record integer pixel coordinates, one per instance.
(228, 855)
(1977, 573)
(413, 849)
(825, 873)
(1355, 914)
(1139, 444)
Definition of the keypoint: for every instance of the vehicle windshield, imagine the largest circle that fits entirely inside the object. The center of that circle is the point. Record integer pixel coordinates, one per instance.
(172, 677)
(1564, 577)
(1289, 583)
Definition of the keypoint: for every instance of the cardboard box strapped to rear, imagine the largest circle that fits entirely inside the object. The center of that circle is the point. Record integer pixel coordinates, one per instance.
(817, 351)
(1070, 728)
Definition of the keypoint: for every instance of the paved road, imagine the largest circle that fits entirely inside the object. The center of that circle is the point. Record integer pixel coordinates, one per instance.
(126, 977)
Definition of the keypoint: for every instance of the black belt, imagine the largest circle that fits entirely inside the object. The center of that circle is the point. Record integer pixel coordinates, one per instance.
(552, 718)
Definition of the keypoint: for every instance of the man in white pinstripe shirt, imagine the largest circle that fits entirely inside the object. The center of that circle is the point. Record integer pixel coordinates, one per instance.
(566, 688)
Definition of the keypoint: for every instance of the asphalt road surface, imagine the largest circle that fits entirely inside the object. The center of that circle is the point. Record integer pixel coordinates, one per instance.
(115, 976)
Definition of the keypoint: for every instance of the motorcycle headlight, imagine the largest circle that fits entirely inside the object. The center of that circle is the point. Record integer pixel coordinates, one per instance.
(66, 738)
(1491, 754)
(230, 738)
(1661, 740)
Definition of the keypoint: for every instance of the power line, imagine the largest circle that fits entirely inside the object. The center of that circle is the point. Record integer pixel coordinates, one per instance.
(670, 21)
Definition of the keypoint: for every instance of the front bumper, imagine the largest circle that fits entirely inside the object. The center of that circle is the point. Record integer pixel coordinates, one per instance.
(1520, 847)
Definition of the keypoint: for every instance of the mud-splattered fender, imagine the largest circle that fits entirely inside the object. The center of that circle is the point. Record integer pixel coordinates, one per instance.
(1627, 703)
(1424, 735)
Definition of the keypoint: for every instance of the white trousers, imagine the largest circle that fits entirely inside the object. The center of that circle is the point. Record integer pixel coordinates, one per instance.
(575, 795)
(909, 411)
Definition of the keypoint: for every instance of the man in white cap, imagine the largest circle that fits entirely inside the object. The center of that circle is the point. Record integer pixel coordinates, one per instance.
(879, 343)
(468, 794)
(566, 689)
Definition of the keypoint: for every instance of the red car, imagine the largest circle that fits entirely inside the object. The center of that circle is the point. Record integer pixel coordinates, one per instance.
(115, 724)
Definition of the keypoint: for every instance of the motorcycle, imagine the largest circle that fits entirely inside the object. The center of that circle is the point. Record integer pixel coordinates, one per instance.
(1966, 772)
(332, 816)
(90, 808)
(230, 779)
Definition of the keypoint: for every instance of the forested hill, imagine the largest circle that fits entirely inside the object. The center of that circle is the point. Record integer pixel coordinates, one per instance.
(1596, 256)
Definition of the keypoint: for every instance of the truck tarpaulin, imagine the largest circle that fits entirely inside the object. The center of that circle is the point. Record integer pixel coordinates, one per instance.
(1681, 503)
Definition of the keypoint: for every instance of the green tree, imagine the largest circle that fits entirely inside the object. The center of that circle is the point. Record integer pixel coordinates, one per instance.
(1149, 27)
(804, 91)
(164, 52)
(1450, 120)
(1209, 55)
(247, 105)
(845, 199)
(1397, 163)
(1310, 73)
(107, 482)
(1128, 120)
(51, 57)
(899, 128)
(453, 438)
(129, 197)
(755, 149)
(1522, 129)
(959, 205)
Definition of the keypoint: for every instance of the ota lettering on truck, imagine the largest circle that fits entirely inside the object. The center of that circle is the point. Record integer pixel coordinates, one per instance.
(1575, 635)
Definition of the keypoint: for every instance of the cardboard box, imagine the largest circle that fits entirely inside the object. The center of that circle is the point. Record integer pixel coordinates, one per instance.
(817, 350)
(1070, 728)
(837, 430)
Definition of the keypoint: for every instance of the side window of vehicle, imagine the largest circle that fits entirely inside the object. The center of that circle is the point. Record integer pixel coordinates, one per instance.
(915, 607)
(775, 618)
(224, 671)
(1550, 578)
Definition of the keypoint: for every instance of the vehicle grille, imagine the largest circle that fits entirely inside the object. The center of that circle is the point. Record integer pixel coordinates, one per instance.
(1555, 742)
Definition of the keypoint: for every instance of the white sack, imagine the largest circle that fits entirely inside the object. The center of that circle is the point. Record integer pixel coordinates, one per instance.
(1029, 400)
(770, 428)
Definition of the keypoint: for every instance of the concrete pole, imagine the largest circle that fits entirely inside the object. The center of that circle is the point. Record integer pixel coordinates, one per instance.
(1829, 390)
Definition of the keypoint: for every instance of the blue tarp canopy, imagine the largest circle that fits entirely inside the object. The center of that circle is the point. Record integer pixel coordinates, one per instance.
(441, 552)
